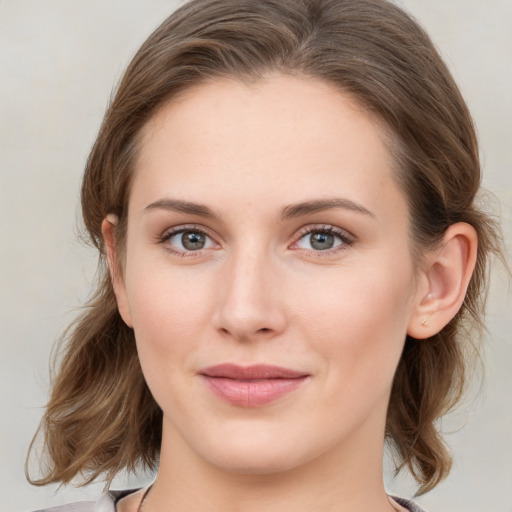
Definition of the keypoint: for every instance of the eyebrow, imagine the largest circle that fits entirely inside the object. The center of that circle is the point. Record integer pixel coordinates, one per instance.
(290, 211)
(176, 205)
(299, 209)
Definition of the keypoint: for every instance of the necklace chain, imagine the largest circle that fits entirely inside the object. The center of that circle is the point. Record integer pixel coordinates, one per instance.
(143, 499)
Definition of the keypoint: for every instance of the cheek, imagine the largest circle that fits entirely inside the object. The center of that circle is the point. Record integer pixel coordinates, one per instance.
(168, 317)
(358, 320)
(169, 312)
(165, 303)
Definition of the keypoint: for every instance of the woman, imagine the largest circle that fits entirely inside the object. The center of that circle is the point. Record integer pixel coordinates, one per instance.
(284, 194)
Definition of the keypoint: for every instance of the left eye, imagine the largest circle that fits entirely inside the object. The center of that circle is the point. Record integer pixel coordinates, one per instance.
(320, 241)
(190, 240)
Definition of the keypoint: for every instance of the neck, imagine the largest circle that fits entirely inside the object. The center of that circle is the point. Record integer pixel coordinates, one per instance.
(347, 478)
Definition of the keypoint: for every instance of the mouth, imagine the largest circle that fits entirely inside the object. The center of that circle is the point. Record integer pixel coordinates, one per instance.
(251, 386)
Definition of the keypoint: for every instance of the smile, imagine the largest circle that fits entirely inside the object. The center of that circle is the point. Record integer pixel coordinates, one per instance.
(251, 386)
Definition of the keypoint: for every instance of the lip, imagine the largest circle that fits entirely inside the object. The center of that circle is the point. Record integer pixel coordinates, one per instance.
(251, 386)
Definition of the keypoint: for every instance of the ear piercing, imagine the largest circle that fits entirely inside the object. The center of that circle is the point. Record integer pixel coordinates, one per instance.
(425, 323)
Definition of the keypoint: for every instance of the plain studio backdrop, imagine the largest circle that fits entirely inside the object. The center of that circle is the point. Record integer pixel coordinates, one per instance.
(59, 60)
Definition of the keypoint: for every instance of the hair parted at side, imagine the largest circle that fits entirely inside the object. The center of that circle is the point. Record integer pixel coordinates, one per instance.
(101, 417)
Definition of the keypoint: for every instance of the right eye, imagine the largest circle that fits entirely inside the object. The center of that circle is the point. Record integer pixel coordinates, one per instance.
(187, 240)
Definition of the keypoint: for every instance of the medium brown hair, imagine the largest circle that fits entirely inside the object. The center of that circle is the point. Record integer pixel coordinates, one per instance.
(101, 417)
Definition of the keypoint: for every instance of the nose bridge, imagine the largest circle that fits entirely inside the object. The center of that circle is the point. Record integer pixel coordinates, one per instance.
(250, 302)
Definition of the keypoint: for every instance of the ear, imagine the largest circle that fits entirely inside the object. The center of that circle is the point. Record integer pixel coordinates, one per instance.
(444, 281)
(108, 229)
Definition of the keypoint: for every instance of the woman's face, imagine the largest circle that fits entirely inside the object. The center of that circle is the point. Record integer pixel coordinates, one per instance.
(268, 274)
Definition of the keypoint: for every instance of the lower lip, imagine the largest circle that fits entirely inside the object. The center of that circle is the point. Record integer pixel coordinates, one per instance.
(252, 393)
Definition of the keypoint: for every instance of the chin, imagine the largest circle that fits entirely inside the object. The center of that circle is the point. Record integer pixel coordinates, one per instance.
(250, 464)
(259, 454)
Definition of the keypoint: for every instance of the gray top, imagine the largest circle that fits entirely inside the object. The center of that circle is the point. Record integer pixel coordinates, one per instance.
(107, 503)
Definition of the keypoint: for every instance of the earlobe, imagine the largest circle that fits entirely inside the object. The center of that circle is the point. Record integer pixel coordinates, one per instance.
(108, 229)
(445, 281)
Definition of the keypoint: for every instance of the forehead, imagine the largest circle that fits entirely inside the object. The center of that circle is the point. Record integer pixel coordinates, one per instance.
(281, 137)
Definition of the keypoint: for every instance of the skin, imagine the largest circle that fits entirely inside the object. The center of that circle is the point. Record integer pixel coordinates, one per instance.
(259, 292)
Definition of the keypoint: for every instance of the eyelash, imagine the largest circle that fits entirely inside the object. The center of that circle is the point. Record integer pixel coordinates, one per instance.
(183, 229)
(346, 239)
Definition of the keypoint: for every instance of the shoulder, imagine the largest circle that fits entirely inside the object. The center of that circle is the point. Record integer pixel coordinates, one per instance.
(106, 503)
(408, 504)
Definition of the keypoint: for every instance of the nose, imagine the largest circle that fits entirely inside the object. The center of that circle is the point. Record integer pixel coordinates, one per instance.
(251, 304)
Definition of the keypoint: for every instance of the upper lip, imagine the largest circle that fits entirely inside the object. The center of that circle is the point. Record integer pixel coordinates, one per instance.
(252, 372)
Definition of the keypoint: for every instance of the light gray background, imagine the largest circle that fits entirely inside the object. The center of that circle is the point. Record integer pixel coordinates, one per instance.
(58, 62)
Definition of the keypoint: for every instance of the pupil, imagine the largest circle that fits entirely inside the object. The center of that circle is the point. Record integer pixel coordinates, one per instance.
(322, 241)
(192, 240)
